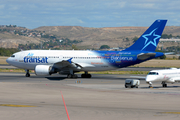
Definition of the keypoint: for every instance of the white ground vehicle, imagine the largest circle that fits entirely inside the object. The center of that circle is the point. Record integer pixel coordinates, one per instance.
(130, 83)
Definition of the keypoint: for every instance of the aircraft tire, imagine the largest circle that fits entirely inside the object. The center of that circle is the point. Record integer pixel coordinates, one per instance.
(27, 75)
(74, 76)
(86, 76)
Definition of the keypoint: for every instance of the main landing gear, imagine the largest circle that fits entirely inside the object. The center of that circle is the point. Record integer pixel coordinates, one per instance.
(27, 73)
(72, 75)
(85, 75)
(164, 84)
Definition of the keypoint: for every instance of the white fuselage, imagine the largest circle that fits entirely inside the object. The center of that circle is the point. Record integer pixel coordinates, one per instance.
(166, 75)
(30, 59)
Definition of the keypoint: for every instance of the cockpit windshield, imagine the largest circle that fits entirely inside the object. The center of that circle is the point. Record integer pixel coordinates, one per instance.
(12, 55)
(153, 73)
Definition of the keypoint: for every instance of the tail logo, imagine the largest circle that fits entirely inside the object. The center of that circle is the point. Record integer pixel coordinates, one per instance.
(150, 39)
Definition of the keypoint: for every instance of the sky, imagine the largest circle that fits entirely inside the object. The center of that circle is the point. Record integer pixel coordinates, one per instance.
(88, 13)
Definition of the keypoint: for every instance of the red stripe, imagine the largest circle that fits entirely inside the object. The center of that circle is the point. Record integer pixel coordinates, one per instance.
(65, 106)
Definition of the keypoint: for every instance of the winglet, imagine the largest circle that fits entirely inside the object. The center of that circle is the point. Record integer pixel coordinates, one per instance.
(149, 40)
(69, 60)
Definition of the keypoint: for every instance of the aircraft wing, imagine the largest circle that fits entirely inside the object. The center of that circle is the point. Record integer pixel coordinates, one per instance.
(174, 79)
(69, 64)
(139, 77)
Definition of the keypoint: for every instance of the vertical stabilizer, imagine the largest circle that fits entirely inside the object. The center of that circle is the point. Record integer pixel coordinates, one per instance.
(149, 40)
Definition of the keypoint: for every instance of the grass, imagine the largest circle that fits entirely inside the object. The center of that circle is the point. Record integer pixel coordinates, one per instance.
(121, 72)
(101, 72)
(3, 60)
(15, 70)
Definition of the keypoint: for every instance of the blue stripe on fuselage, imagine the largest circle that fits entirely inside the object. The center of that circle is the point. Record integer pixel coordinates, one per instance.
(123, 58)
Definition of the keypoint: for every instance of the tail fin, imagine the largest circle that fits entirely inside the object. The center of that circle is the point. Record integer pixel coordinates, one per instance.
(149, 40)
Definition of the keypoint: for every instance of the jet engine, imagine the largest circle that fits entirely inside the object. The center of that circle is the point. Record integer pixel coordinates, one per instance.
(44, 70)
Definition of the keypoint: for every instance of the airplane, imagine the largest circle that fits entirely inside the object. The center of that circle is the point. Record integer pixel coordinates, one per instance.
(165, 76)
(68, 62)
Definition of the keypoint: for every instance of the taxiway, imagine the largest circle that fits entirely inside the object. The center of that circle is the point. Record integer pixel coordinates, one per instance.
(103, 97)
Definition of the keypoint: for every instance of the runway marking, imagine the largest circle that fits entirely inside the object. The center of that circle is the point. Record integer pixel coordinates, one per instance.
(63, 102)
(11, 105)
(65, 106)
(171, 112)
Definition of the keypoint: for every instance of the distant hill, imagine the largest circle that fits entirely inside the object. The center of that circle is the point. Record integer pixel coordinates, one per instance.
(95, 37)
(91, 37)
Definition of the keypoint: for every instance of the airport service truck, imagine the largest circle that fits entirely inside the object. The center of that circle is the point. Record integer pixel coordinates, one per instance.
(131, 83)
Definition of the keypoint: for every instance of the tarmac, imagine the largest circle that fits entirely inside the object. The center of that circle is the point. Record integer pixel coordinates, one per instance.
(102, 97)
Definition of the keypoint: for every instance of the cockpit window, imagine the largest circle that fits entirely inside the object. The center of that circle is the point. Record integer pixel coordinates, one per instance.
(12, 55)
(152, 73)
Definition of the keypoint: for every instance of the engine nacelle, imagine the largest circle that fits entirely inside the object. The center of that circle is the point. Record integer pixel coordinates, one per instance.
(44, 70)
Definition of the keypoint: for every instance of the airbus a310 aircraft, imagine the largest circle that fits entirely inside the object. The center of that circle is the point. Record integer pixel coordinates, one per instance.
(47, 62)
(165, 76)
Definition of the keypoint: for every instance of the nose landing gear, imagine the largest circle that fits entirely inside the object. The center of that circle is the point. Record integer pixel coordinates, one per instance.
(150, 84)
(27, 73)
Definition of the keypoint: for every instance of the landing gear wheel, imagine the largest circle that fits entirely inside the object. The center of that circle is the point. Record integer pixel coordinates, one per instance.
(85, 75)
(164, 84)
(72, 76)
(27, 75)
(68, 76)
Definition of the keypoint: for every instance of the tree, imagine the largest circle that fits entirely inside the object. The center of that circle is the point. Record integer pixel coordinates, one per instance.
(163, 57)
(74, 47)
(135, 39)
(104, 47)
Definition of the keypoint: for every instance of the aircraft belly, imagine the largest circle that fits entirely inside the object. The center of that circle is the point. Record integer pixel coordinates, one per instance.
(98, 68)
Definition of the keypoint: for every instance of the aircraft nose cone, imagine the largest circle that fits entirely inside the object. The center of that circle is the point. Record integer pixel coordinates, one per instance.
(7, 60)
(150, 78)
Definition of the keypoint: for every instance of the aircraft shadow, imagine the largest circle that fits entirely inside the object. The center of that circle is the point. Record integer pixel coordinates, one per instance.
(160, 87)
(56, 78)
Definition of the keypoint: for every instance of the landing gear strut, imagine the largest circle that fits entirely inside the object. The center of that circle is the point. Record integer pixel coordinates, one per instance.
(150, 85)
(164, 84)
(27, 73)
(86, 75)
(72, 75)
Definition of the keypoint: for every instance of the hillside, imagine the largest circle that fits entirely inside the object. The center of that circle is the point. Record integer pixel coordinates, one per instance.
(91, 37)
(95, 37)
(11, 37)
(12, 41)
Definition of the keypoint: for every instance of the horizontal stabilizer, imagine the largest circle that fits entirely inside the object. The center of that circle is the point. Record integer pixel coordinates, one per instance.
(170, 53)
(144, 56)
